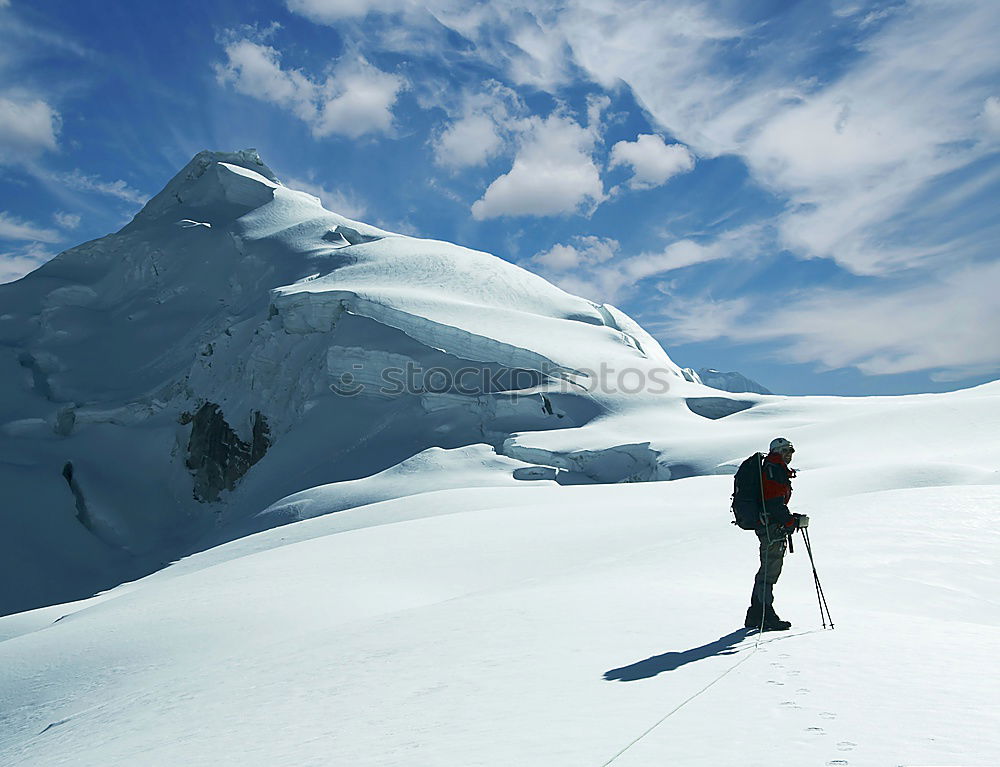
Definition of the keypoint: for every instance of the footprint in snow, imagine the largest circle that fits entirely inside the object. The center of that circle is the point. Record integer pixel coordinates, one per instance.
(802, 690)
(836, 762)
(846, 745)
(827, 715)
(774, 681)
(816, 730)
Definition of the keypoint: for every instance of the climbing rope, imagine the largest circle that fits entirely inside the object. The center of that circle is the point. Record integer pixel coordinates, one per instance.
(683, 703)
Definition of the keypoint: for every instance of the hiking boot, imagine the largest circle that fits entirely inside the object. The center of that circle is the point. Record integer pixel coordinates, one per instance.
(776, 624)
(752, 621)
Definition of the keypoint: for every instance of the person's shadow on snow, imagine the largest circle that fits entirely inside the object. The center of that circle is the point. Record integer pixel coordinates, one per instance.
(670, 661)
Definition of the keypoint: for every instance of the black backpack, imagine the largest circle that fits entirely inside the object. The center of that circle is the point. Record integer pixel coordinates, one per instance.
(748, 493)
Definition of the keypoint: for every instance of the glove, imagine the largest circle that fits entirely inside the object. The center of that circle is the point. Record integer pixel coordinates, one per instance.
(801, 521)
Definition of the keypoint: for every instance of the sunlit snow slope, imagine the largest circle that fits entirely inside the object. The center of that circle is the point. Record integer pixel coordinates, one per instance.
(552, 626)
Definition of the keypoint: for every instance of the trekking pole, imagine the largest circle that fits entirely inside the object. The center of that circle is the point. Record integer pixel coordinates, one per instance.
(820, 596)
(819, 586)
(819, 599)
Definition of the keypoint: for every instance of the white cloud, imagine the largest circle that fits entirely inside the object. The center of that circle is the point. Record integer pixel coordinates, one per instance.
(587, 251)
(516, 37)
(845, 8)
(27, 127)
(357, 99)
(342, 201)
(698, 319)
(332, 11)
(900, 330)
(539, 57)
(889, 327)
(469, 141)
(15, 264)
(13, 228)
(354, 99)
(991, 113)
(255, 70)
(854, 161)
(480, 126)
(652, 161)
(553, 173)
(558, 258)
(66, 220)
(80, 181)
(593, 267)
(597, 105)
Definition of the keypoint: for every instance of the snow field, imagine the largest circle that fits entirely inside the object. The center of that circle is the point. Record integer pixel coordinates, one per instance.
(483, 638)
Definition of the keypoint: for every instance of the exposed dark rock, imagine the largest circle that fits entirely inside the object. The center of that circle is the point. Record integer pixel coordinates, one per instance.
(39, 378)
(82, 513)
(217, 457)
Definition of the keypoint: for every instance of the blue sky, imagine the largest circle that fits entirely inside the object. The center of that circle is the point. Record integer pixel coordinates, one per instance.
(806, 192)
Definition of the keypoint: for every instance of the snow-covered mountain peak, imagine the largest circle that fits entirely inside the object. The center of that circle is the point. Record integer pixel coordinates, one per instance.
(237, 342)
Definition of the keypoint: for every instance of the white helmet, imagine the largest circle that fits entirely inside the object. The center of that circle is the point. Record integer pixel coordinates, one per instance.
(781, 445)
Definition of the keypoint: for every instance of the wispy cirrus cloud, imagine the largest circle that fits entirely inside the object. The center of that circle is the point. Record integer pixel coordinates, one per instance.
(333, 11)
(17, 262)
(519, 39)
(14, 228)
(84, 182)
(881, 329)
(595, 266)
(991, 113)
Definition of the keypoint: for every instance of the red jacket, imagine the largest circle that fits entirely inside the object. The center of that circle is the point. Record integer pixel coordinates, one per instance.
(776, 481)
